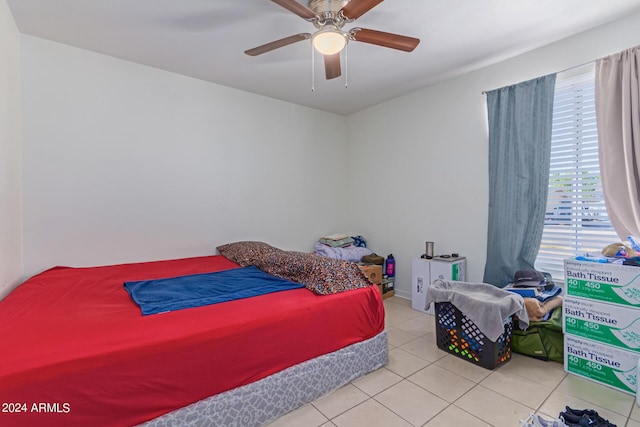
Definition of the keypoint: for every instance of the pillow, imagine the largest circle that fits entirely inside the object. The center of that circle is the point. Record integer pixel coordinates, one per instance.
(247, 253)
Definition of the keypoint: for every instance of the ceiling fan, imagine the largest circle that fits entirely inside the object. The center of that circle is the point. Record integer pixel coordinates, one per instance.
(329, 17)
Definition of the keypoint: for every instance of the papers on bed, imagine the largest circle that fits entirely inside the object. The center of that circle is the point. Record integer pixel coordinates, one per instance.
(176, 293)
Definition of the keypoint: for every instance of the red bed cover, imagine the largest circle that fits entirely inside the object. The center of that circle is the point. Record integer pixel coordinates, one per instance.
(77, 351)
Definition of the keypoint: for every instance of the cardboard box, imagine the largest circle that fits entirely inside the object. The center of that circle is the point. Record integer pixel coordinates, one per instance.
(605, 323)
(601, 363)
(425, 271)
(385, 293)
(373, 272)
(611, 283)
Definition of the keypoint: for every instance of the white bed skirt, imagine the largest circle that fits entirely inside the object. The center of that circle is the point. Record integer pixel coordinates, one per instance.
(265, 400)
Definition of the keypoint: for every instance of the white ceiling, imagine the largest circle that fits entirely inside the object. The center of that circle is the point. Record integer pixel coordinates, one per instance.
(206, 39)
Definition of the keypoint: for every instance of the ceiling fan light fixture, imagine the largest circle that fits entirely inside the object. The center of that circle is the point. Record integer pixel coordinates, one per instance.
(329, 40)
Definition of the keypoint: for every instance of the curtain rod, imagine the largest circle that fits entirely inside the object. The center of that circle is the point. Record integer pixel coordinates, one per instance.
(557, 72)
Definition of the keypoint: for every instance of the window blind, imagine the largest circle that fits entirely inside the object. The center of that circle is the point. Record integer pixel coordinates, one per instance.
(576, 219)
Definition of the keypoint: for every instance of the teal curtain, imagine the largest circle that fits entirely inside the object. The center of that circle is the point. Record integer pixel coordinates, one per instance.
(520, 119)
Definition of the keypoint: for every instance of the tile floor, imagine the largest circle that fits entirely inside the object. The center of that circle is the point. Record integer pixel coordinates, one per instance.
(425, 386)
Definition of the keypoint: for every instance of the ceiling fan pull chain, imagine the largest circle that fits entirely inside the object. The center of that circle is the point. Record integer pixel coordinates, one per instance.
(313, 69)
(346, 66)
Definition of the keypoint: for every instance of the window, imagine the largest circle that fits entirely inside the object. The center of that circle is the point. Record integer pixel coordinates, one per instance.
(576, 220)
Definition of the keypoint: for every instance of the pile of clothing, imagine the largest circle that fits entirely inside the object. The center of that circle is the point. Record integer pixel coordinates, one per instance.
(540, 294)
(341, 246)
(336, 240)
(543, 338)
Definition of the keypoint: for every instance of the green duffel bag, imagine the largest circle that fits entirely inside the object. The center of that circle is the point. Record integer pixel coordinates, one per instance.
(543, 340)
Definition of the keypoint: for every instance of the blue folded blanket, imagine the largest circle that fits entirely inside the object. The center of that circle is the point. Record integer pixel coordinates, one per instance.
(196, 290)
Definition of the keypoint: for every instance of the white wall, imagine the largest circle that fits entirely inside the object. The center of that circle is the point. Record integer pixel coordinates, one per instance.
(10, 203)
(126, 163)
(421, 167)
(123, 162)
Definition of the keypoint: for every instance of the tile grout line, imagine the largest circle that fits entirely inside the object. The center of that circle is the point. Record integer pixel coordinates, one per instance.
(555, 388)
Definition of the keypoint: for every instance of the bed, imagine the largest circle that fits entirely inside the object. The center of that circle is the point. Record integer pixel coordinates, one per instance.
(78, 351)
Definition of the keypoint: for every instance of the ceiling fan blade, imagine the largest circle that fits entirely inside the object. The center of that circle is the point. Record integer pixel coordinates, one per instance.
(356, 8)
(332, 66)
(380, 38)
(277, 44)
(297, 8)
